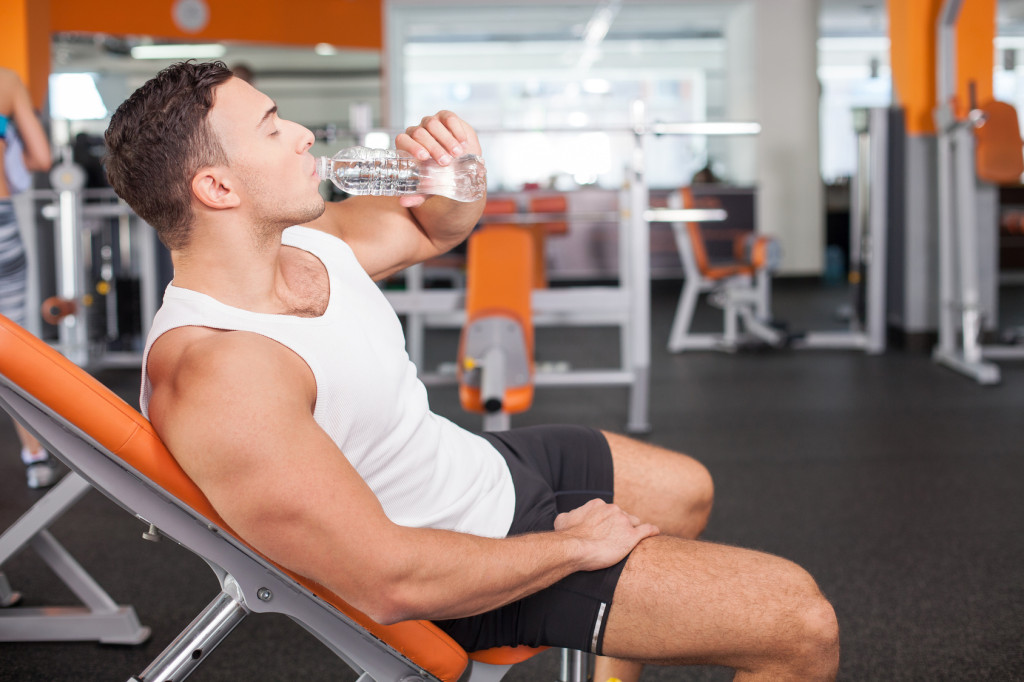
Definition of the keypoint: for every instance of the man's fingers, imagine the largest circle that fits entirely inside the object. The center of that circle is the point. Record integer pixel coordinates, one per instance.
(442, 137)
(411, 200)
(438, 136)
(649, 530)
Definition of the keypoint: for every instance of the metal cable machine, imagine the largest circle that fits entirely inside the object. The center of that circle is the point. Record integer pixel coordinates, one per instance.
(105, 275)
(960, 294)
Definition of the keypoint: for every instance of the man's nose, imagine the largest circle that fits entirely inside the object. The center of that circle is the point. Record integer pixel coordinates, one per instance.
(306, 139)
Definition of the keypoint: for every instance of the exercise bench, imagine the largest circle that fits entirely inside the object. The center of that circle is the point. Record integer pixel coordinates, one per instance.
(110, 446)
(741, 287)
(495, 364)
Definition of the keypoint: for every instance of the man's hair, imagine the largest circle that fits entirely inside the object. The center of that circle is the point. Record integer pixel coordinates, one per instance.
(158, 139)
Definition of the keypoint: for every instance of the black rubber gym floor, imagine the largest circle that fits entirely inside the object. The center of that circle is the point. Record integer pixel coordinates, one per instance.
(898, 484)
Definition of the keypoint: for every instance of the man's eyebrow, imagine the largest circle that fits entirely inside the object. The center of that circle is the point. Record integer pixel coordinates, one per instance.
(266, 115)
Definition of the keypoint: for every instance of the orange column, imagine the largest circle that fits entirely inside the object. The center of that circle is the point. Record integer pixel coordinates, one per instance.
(25, 44)
(913, 37)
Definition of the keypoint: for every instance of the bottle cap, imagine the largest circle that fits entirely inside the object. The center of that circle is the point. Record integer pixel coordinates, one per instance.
(323, 167)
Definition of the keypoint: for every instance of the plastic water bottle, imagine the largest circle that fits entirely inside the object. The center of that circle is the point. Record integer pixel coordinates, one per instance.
(390, 173)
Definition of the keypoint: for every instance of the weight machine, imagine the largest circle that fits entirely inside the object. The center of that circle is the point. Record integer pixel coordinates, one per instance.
(869, 234)
(625, 305)
(105, 273)
(742, 287)
(961, 166)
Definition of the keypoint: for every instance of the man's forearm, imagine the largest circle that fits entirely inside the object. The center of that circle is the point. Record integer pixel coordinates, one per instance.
(435, 574)
(447, 223)
(443, 574)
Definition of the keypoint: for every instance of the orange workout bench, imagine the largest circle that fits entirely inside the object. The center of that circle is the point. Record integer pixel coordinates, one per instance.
(108, 445)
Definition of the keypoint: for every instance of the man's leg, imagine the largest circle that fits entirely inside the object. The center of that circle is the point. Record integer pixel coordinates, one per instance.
(670, 490)
(682, 601)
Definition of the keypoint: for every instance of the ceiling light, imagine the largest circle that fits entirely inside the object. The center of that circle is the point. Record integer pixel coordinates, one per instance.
(706, 128)
(597, 86)
(595, 32)
(179, 51)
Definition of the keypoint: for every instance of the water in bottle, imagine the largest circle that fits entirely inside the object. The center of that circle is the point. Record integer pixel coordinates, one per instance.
(388, 172)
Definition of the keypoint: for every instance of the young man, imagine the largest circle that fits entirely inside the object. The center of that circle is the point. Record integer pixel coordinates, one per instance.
(276, 373)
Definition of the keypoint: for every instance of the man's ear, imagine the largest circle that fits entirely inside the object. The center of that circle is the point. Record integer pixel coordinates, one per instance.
(214, 187)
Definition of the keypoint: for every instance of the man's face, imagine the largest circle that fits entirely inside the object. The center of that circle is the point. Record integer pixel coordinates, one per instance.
(269, 156)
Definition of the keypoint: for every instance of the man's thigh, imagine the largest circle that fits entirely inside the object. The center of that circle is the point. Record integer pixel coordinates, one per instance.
(669, 489)
(684, 601)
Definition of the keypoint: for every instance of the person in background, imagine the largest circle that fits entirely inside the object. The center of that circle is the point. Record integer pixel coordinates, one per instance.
(16, 112)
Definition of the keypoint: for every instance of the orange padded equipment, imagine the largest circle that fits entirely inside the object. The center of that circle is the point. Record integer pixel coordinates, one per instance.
(83, 402)
(499, 322)
(750, 257)
(549, 204)
(741, 288)
(999, 154)
(500, 207)
(55, 309)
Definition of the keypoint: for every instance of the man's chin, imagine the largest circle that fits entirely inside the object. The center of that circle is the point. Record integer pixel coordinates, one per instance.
(313, 213)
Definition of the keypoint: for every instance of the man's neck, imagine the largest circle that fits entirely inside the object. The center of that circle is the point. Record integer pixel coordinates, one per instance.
(234, 270)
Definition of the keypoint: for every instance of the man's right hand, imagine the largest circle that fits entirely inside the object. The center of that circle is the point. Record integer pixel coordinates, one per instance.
(606, 532)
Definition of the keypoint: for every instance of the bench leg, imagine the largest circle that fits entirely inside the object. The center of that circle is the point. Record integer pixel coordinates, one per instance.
(574, 666)
(195, 643)
(100, 619)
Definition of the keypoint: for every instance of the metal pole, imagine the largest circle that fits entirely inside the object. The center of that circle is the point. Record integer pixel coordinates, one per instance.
(958, 286)
(639, 280)
(944, 119)
(72, 330)
(193, 645)
(967, 226)
(877, 231)
(415, 323)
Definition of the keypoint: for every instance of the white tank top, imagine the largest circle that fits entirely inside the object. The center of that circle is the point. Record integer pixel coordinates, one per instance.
(425, 470)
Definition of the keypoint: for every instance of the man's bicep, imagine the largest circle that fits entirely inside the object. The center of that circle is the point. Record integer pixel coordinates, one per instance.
(244, 431)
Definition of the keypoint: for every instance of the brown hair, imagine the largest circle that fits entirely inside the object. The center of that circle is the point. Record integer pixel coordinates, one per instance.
(158, 139)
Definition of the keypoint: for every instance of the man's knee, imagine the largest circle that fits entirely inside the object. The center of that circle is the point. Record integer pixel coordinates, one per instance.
(702, 499)
(694, 494)
(671, 490)
(823, 637)
(815, 640)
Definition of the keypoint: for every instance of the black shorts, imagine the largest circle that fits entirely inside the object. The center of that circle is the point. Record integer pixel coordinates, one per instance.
(554, 469)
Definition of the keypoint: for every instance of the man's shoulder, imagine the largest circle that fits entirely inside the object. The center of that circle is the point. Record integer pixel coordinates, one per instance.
(202, 355)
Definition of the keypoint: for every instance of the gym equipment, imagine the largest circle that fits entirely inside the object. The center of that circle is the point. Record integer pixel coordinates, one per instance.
(496, 348)
(985, 145)
(741, 288)
(111, 447)
(869, 234)
(106, 265)
(625, 305)
(98, 619)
